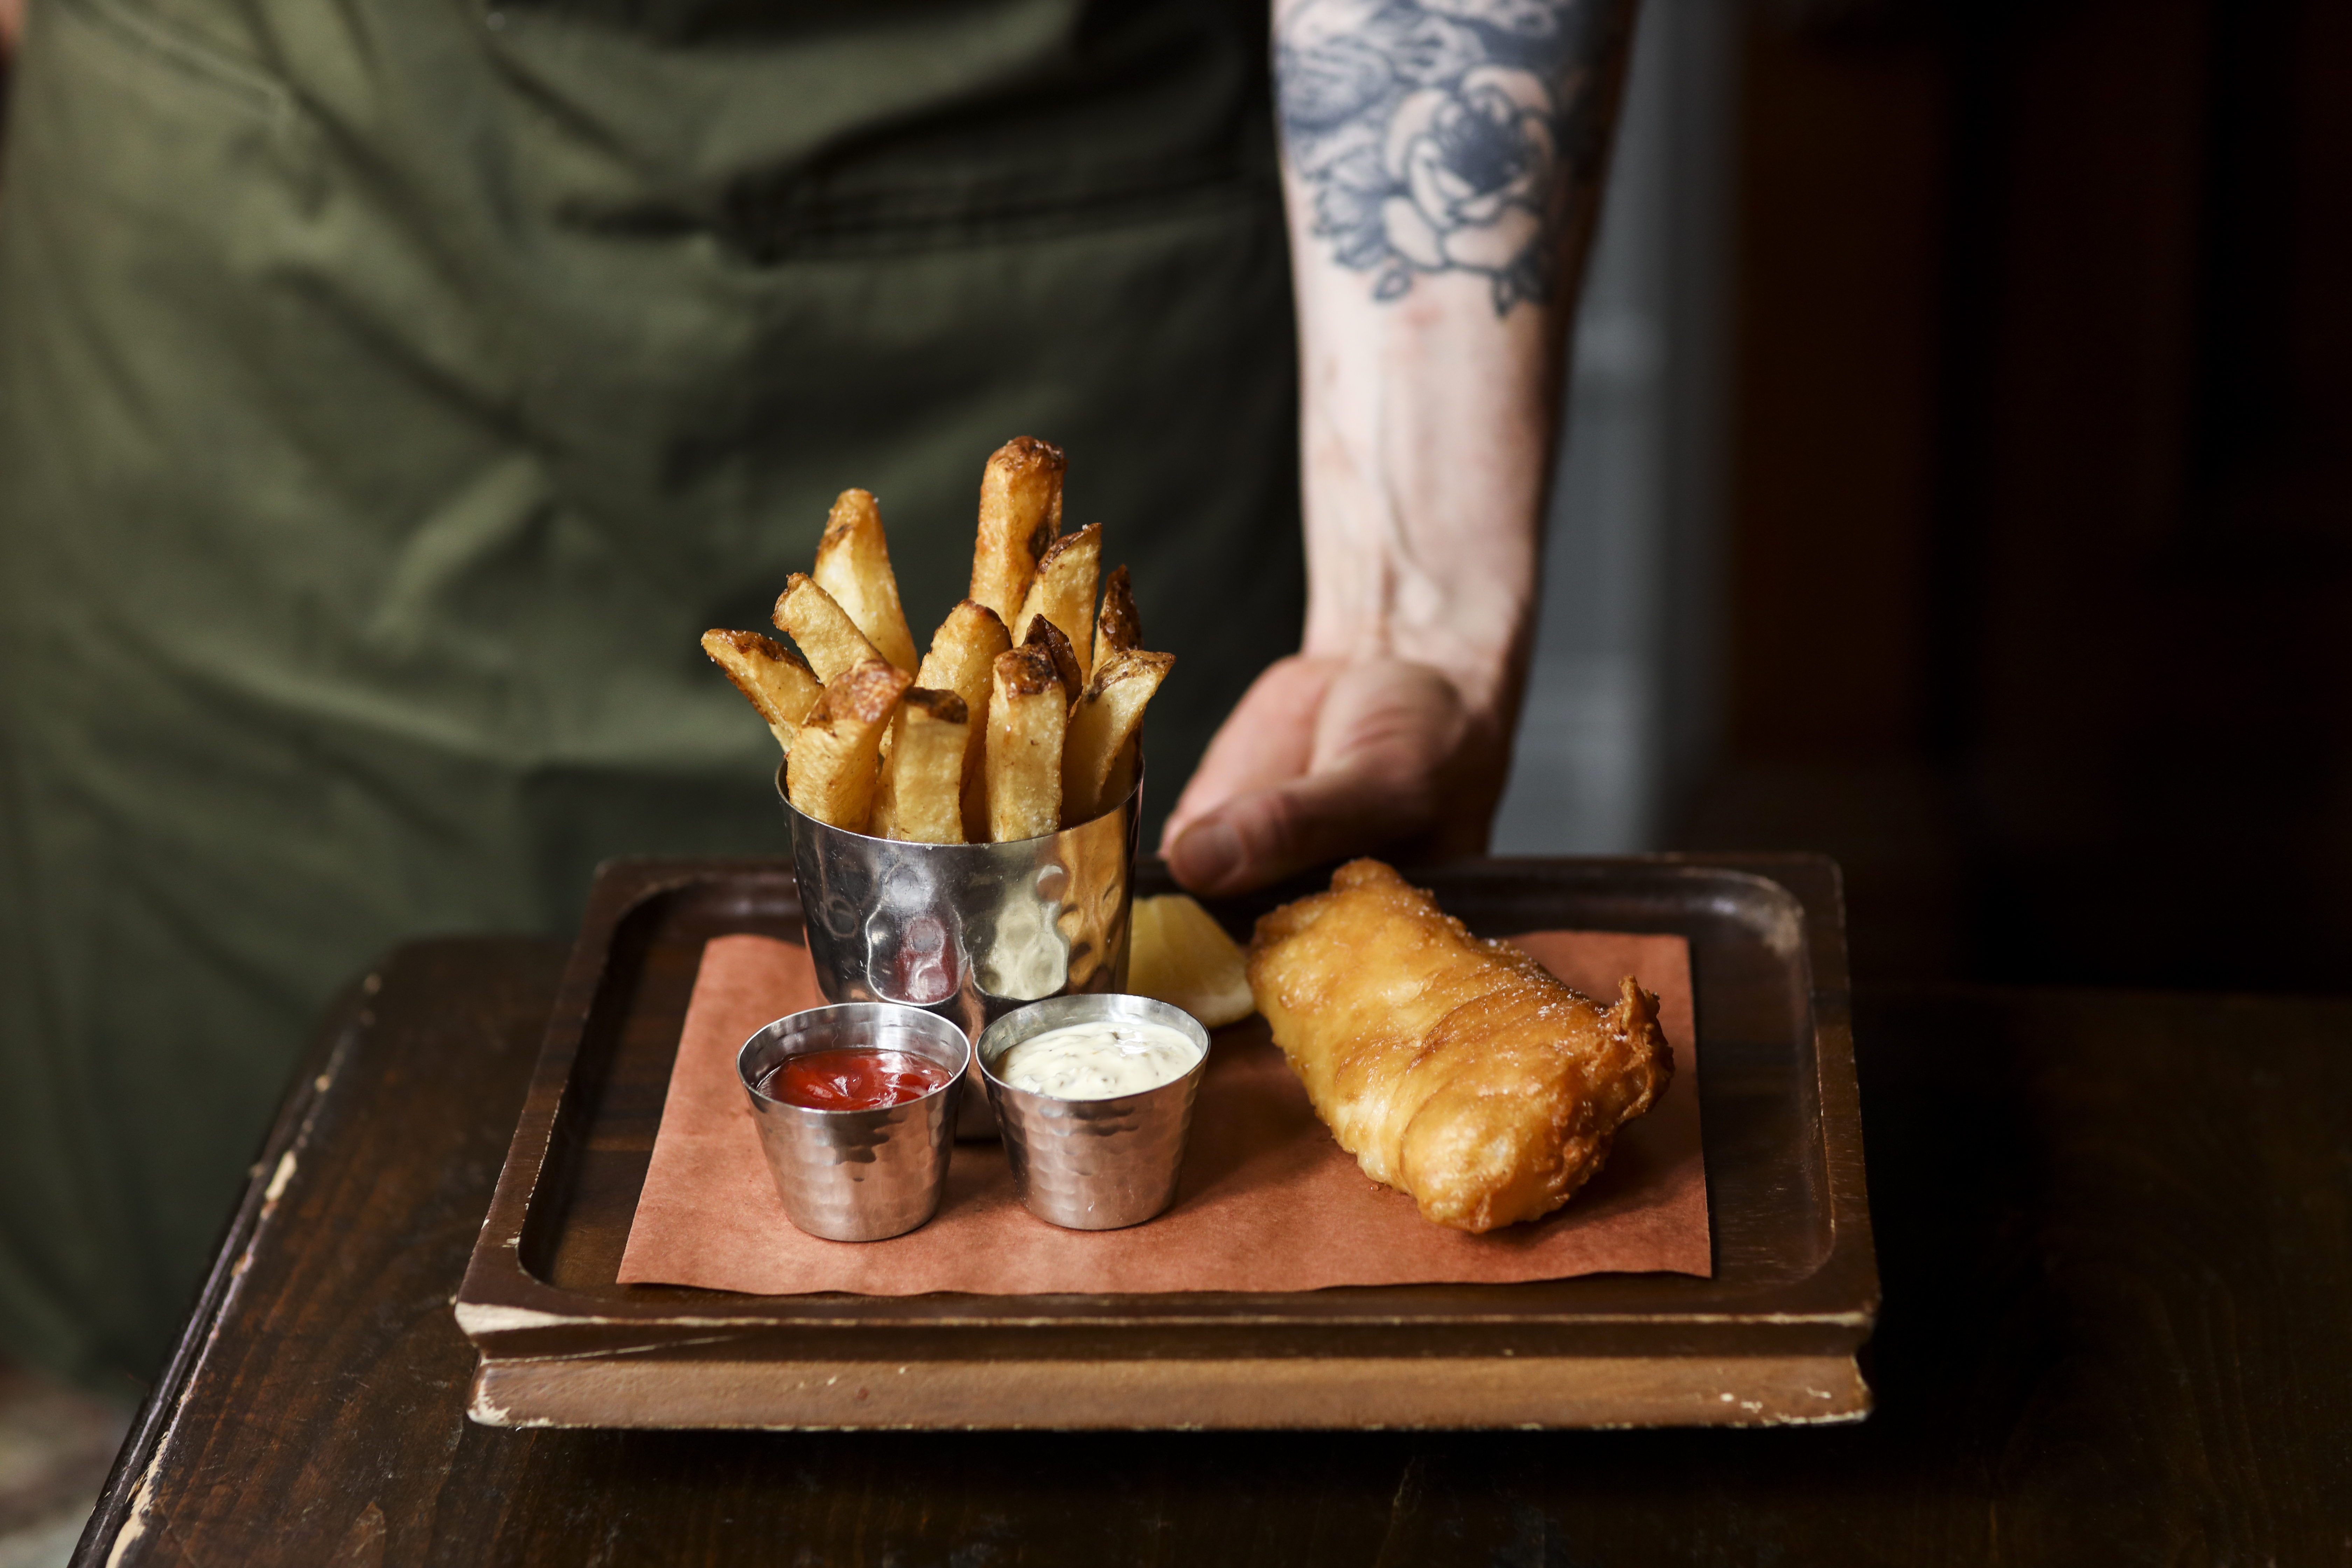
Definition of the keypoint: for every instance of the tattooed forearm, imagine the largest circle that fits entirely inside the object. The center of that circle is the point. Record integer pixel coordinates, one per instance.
(1446, 135)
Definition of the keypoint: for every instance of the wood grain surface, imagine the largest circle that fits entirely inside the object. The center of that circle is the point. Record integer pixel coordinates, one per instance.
(2116, 1232)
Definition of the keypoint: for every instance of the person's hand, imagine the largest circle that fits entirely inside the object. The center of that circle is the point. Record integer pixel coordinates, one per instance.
(1328, 757)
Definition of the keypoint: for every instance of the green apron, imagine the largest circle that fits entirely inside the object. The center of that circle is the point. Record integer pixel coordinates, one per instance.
(390, 394)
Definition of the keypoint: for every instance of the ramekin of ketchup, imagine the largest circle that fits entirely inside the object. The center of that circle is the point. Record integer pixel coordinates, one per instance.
(853, 1079)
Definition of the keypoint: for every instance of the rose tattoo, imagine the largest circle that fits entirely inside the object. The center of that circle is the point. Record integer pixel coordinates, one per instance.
(1432, 132)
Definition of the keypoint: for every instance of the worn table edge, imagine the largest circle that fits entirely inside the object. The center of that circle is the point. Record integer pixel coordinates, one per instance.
(1252, 1393)
(120, 1501)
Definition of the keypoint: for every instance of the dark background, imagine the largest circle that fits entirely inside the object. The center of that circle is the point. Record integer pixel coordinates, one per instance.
(2039, 615)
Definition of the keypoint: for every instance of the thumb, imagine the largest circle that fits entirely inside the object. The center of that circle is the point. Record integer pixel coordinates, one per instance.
(1266, 836)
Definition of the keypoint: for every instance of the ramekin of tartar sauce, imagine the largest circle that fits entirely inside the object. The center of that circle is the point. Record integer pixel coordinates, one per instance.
(1094, 1096)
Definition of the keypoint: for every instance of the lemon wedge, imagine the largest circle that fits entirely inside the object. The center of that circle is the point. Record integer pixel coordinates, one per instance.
(1178, 953)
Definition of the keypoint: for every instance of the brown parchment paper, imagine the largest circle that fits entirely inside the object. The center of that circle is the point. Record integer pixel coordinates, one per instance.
(1268, 1202)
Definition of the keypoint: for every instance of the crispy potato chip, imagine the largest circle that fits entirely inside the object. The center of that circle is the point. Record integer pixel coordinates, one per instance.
(1063, 592)
(830, 775)
(1102, 727)
(828, 637)
(1044, 634)
(920, 795)
(1019, 513)
(1117, 627)
(853, 564)
(778, 682)
(1026, 716)
(963, 653)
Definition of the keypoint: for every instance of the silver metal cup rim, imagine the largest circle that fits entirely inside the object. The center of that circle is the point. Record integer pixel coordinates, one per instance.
(932, 1020)
(1113, 809)
(1054, 1012)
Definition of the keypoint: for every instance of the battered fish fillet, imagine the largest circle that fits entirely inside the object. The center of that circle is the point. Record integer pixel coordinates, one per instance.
(1457, 1071)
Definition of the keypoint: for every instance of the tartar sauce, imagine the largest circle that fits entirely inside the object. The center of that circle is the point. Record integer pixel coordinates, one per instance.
(1100, 1060)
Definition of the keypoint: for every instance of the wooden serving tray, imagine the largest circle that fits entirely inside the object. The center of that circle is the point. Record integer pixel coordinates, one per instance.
(1771, 1339)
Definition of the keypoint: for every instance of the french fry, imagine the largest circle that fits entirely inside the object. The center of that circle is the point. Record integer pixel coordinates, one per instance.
(1063, 592)
(1044, 634)
(920, 795)
(1121, 779)
(778, 682)
(1001, 739)
(1103, 728)
(1019, 513)
(1026, 716)
(830, 775)
(1117, 627)
(963, 652)
(853, 564)
(828, 637)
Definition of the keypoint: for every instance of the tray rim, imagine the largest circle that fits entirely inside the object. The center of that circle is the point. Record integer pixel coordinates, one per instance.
(514, 1317)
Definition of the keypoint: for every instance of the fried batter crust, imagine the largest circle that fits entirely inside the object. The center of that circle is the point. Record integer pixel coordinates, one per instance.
(1457, 1070)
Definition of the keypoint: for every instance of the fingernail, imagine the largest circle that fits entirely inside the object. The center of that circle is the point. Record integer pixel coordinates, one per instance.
(1209, 852)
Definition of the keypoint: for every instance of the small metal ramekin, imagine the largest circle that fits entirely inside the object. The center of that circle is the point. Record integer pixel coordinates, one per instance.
(858, 1175)
(1093, 1164)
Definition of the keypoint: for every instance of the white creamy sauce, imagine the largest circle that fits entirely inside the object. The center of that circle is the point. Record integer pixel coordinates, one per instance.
(1100, 1060)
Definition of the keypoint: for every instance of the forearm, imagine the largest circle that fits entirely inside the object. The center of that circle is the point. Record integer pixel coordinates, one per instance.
(1423, 509)
(1443, 169)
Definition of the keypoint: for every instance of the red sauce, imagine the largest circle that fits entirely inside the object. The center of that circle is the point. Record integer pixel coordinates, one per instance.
(853, 1080)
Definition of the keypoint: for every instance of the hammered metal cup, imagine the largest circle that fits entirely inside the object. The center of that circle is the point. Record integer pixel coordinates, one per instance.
(968, 930)
(1093, 1164)
(858, 1175)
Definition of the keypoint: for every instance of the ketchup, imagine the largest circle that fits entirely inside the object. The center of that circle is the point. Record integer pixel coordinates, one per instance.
(854, 1080)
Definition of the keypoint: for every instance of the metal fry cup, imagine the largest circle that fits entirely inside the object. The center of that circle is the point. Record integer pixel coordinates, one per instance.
(1093, 1164)
(858, 1175)
(970, 932)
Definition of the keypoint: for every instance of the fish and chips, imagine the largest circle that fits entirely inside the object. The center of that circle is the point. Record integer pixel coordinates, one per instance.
(1457, 1070)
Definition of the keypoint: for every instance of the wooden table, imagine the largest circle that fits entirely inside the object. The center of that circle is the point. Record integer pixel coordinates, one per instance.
(2116, 1233)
